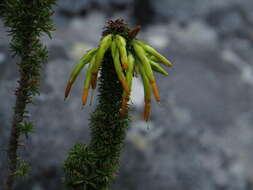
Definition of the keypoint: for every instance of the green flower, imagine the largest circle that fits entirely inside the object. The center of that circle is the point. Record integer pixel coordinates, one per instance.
(130, 57)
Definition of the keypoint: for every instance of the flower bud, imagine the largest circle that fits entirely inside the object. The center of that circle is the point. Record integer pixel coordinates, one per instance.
(153, 52)
(121, 43)
(117, 66)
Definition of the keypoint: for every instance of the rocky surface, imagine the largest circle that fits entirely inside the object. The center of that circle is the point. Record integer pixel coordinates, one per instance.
(199, 137)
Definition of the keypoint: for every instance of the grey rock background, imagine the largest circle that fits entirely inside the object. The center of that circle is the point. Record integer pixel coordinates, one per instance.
(201, 135)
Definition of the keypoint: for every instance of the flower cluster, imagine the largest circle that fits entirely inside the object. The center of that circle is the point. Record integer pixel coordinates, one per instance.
(130, 57)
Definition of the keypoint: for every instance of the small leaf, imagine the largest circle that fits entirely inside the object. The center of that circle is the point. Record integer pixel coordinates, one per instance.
(22, 168)
(25, 128)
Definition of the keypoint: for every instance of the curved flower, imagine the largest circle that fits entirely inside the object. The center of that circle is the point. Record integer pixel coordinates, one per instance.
(130, 57)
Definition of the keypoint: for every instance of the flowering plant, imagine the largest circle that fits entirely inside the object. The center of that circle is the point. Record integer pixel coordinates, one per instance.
(131, 57)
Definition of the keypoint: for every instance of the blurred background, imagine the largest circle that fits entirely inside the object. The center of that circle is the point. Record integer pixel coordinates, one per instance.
(201, 135)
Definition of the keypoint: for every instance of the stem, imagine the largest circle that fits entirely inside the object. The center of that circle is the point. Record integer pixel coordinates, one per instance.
(18, 117)
(107, 128)
(27, 20)
(93, 166)
(22, 99)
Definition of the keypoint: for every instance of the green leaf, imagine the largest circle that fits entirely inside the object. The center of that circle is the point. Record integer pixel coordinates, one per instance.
(22, 168)
(25, 128)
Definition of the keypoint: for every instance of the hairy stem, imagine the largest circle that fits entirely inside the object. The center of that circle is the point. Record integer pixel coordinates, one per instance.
(107, 128)
(18, 117)
(26, 20)
(94, 166)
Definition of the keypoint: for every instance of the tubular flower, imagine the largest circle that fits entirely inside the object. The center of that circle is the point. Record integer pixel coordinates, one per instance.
(130, 57)
(129, 77)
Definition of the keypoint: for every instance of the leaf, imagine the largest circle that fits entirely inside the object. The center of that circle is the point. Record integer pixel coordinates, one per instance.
(25, 128)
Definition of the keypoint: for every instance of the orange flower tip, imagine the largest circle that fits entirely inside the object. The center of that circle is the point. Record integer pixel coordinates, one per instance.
(67, 90)
(145, 116)
(84, 103)
(123, 108)
(125, 86)
(156, 91)
(147, 108)
(85, 95)
(125, 66)
(94, 80)
(157, 98)
(147, 101)
(127, 89)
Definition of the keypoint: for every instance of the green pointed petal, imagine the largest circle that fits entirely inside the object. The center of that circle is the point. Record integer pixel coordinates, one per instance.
(130, 70)
(83, 61)
(153, 58)
(104, 45)
(146, 83)
(87, 81)
(117, 66)
(121, 43)
(153, 52)
(156, 67)
(129, 77)
(77, 69)
(139, 51)
(147, 92)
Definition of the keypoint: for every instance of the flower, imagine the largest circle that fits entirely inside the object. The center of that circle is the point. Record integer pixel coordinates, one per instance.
(130, 57)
